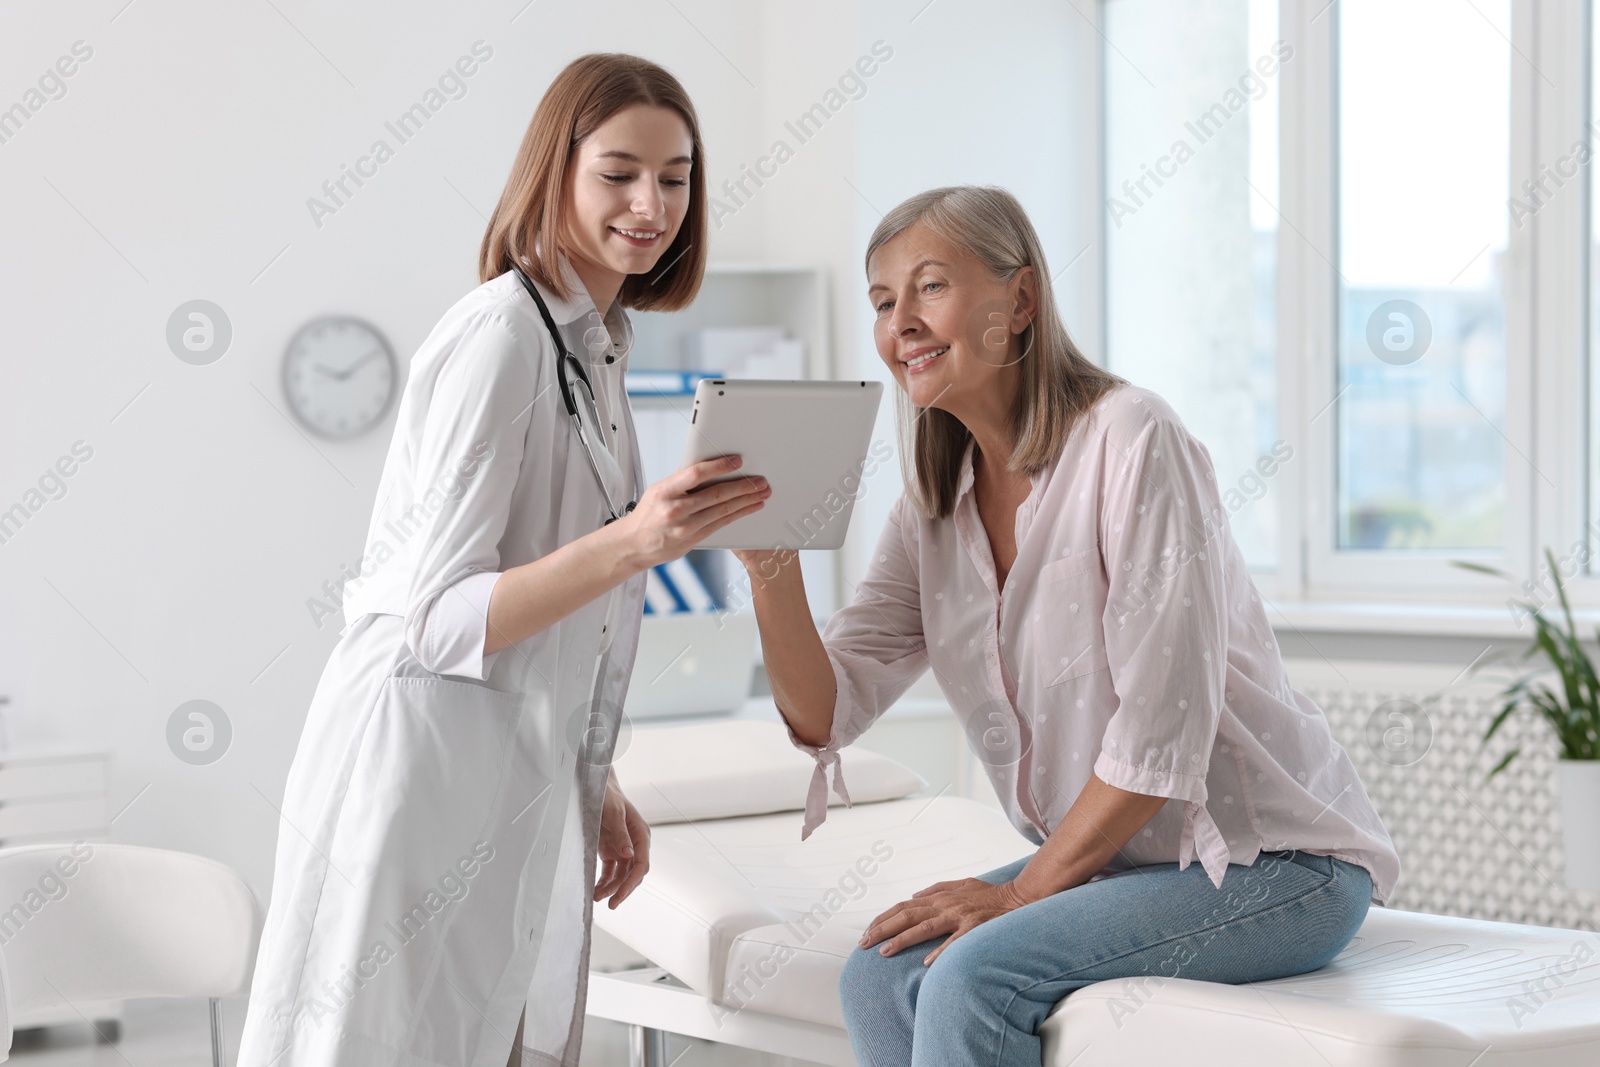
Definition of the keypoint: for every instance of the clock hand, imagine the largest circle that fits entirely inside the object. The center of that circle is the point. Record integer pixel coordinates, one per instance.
(352, 368)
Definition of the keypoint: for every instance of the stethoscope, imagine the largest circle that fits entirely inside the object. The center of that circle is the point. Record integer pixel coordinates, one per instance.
(572, 394)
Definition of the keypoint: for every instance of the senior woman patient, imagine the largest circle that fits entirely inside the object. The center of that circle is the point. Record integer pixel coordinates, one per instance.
(1061, 560)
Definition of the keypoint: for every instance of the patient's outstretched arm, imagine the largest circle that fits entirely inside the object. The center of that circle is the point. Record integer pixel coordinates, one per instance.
(797, 666)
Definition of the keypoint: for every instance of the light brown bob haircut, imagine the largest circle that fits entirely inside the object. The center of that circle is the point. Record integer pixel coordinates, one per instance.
(1058, 382)
(589, 91)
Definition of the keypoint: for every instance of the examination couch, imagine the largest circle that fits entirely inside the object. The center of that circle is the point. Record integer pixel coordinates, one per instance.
(746, 929)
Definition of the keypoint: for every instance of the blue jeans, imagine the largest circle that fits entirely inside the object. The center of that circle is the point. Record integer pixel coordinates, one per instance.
(983, 1000)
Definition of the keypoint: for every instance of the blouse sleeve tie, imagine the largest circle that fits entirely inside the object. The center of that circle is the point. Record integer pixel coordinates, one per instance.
(817, 795)
(1199, 831)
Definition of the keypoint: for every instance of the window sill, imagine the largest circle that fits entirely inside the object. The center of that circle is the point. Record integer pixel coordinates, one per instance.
(1429, 620)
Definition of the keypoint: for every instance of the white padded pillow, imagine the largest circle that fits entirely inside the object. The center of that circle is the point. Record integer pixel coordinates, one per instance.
(728, 769)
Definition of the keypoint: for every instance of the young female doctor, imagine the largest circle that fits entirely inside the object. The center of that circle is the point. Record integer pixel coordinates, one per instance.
(451, 792)
(1061, 561)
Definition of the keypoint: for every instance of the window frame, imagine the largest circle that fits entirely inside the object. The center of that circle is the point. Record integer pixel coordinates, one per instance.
(1330, 572)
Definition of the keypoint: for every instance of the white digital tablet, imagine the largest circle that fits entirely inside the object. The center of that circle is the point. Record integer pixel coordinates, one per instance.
(807, 439)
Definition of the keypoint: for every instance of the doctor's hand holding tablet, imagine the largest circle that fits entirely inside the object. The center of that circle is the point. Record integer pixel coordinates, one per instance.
(675, 514)
(768, 465)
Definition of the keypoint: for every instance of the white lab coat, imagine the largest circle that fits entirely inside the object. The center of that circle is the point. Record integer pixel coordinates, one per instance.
(436, 852)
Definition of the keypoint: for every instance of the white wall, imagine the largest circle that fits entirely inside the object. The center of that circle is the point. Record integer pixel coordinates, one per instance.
(178, 563)
(177, 165)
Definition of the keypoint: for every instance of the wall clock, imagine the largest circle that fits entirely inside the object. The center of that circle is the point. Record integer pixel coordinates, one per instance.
(339, 375)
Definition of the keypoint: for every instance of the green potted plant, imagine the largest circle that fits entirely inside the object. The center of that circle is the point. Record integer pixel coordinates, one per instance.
(1573, 713)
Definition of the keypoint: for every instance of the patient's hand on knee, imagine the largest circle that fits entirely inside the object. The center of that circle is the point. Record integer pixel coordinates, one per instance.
(944, 908)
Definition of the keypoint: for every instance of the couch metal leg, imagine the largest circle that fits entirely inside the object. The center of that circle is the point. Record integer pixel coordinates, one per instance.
(646, 1047)
(217, 1056)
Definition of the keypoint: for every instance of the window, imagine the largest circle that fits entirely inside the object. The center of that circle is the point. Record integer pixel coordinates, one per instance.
(1424, 135)
(1191, 265)
(1398, 278)
(1580, 152)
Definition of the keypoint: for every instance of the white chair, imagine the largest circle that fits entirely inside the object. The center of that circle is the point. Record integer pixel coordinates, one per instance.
(95, 922)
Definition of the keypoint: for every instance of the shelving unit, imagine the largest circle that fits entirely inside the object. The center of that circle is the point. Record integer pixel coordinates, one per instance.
(741, 294)
(734, 294)
(47, 796)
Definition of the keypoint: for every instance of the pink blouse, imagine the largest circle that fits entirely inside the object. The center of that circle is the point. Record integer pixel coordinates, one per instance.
(1129, 640)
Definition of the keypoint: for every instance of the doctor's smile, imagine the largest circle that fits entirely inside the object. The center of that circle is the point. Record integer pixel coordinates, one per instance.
(639, 238)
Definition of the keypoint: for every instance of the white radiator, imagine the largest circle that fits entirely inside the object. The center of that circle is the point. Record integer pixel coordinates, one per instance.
(1469, 847)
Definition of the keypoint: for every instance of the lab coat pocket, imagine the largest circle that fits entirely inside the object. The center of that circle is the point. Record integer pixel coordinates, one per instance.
(427, 779)
(1067, 627)
(419, 896)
